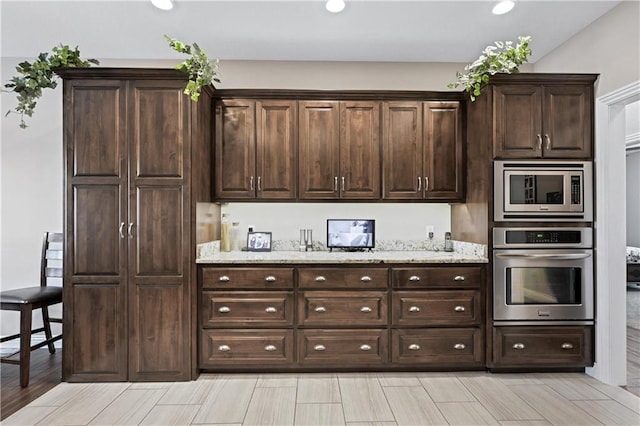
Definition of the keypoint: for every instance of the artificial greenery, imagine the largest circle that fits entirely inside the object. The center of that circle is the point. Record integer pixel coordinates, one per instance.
(33, 77)
(201, 71)
(502, 57)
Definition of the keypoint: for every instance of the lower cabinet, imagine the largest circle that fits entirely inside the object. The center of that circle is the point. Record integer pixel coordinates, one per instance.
(356, 348)
(438, 346)
(246, 347)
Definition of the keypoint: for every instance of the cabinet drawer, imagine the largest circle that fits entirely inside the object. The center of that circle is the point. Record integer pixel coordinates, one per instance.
(343, 278)
(342, 308)
(247, 308)
(444, 346)
(245, 347)
(445, 276)
(452, 307)
(237, 278)
(562, 346)
(352, 347)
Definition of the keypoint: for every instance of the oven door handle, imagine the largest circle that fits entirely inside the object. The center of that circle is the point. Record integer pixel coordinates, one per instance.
(545, 256)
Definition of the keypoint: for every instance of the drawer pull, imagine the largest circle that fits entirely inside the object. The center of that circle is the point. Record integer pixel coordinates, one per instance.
(414, 309)
(458, 278)
(270, 348)
(518, 346)
(567, 346)
(414, 347)
(224, 348)
(320, 309)
(224, 279)
(459, 346)
(365, 309)
(224, 309)
(414, 278)
(320, 279)
(459, 308)
(270, 310)
(365, 278)
(319, 348)
(270, 278)
(365, 347)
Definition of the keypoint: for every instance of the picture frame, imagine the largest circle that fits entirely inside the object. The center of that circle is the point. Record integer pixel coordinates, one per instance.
(259, 241)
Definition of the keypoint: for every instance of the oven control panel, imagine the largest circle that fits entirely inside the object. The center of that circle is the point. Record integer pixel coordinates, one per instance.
(542, 237)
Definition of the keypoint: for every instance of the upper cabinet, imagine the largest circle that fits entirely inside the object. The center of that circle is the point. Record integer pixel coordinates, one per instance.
(423, 151)
(339, 150)
(543, 120)
(256, 153)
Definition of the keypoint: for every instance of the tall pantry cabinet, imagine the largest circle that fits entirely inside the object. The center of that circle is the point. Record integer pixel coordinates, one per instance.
(137, 158)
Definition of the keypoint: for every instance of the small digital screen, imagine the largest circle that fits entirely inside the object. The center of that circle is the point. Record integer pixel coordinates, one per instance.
(351, 233)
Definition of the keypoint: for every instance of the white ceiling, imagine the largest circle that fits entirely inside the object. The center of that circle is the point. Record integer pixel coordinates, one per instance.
(367, 30)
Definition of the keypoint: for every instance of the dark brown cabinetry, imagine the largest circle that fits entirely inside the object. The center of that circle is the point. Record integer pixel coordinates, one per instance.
(256, 151)
(543, 120)
(129, 209)
(423, 151)
(339, 150)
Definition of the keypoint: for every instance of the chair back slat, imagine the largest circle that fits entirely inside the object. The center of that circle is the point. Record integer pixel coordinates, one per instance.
(51, 262)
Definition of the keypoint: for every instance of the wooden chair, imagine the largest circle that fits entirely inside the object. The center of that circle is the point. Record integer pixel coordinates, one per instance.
(41, 297)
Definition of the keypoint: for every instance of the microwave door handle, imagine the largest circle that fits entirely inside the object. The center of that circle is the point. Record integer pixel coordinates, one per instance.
(545, 256)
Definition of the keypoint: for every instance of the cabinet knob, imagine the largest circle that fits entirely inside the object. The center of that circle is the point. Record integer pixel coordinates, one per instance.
(320, 309)
(342, 184)
(414, 278)
(121, 230)
(259, 183)
(459, 346)
(539, 138)
(548, 139)
(270, 278)
(224, 348)
(414, 347)
(567, 346)
(458, 278)
(270, 348)
(224, 309)
(270, 310)
(419, 184)
(426, 183)
(365, 309)
(518, 346)
(335, 184)
(319, 348)
(320, 279)
(365, 347)
(365, 278)
(224, 279)
(459, 308)
(414, 309)
(251, 183)
(130, 229)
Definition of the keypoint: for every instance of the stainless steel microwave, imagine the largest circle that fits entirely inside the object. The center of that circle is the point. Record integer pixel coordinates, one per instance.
(543, 191)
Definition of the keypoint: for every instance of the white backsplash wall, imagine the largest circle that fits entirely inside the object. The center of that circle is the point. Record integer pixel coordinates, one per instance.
(394, 221)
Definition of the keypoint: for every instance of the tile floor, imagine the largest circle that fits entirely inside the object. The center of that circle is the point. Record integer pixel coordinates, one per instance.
(384, 399)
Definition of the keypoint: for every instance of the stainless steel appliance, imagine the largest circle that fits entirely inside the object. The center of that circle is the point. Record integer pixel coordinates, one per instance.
(543, 191)
(542, 274)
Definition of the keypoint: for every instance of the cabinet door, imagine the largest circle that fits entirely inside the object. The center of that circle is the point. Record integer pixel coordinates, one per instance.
(276, 155)
(567, 122)
(95, 281)
(319, 136)
(360, 150)
(159, 249)
(402, 150)
(235, 149)
(444, 169)
(517, 121)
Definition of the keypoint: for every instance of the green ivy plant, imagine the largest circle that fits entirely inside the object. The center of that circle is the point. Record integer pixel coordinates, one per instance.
(202, 72)
(33, 77)
(501, 57)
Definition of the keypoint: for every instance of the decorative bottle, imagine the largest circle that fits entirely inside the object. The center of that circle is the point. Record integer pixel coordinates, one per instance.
(225, 233)
(236, 241)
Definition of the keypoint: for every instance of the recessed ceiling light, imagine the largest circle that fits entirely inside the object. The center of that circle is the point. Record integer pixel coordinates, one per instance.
(335, 6)
(503, 7)
(163, 4)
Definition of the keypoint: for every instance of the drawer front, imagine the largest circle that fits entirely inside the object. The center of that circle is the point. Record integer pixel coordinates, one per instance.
(343, 278)
(247, 308)
(444, 346)
(444, 276)
(239, 278)
(342, 347)
(246, 347)
(448, 307)
(340, 308)
(563, 346)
